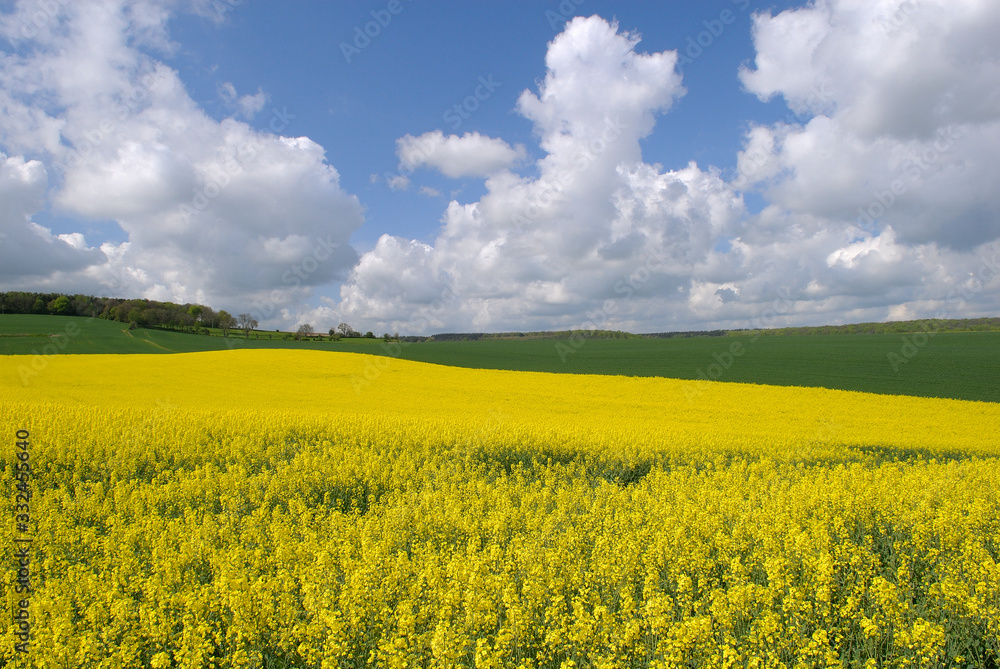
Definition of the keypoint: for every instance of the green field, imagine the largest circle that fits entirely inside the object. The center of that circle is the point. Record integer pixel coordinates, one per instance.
(960, 365)
(43, 335)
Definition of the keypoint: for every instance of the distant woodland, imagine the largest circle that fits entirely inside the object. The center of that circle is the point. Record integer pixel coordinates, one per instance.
(139, 312)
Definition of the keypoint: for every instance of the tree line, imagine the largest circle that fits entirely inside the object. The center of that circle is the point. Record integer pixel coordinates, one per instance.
(988, 324)
(137, 312)
(143, 313)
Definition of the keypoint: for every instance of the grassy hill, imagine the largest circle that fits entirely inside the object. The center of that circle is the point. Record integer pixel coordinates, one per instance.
(45, 335)
(959, 365)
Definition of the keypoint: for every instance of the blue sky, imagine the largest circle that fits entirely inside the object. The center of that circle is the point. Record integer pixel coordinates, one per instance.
(429, 58)
(767, 163)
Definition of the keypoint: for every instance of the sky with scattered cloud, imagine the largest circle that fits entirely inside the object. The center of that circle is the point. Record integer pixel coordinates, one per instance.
(647, 167)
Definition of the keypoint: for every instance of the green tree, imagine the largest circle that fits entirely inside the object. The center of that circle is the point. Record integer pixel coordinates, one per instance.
(83, 305)
(226, 322)
(304, 331)
(59, 305)
(247, 322)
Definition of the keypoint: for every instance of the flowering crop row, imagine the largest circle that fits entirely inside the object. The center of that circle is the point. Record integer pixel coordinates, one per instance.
(247, 509)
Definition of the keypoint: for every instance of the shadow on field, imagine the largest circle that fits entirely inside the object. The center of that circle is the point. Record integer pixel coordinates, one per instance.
(880, 454)
(532, 462)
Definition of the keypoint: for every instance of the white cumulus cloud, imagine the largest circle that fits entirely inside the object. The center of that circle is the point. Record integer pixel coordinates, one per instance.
(29, 253)
(902, 112)
(469, 155)
(879, 187)
(216, 212)
(598, 238)
(877, 191)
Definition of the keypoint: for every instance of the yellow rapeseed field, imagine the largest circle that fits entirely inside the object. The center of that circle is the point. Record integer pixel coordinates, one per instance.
(308, 509)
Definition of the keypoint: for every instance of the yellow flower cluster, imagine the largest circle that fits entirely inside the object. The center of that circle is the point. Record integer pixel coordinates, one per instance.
(265, 508)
